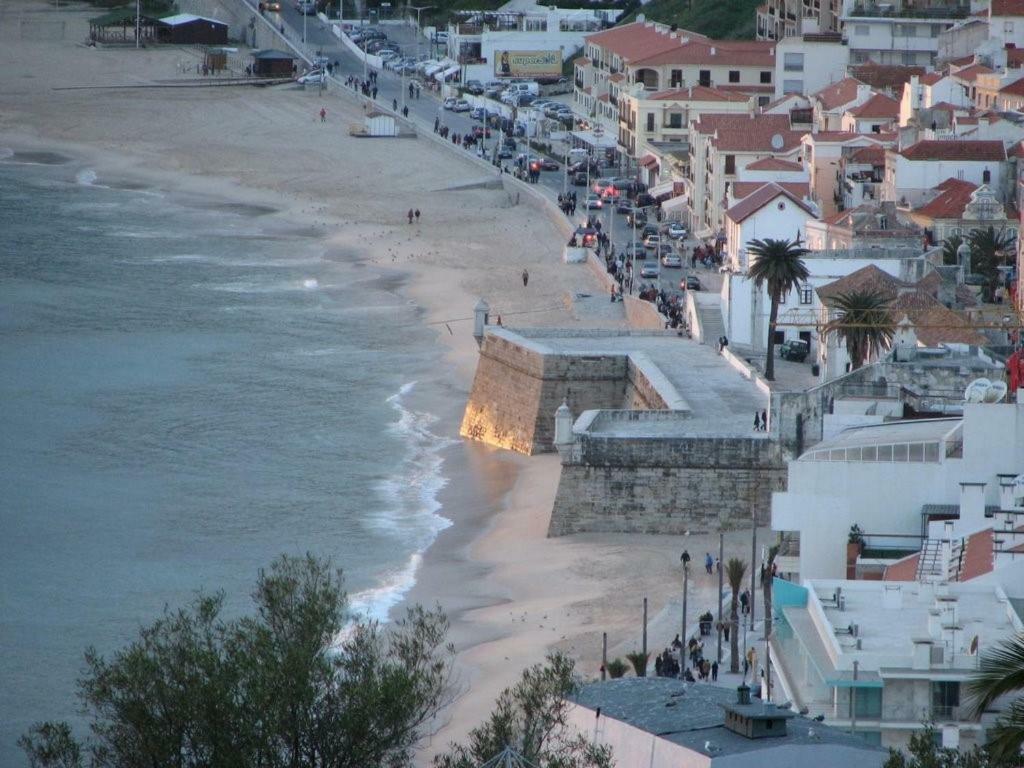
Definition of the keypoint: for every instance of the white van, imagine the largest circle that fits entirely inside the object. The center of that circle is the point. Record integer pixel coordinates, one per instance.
(520, 88)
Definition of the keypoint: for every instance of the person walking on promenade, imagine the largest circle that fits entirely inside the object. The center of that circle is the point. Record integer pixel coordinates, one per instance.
(526, 278)
(323, 114)
(410, 215)
(764, 421)
(394, 105)
(708, 562)
(374, 92)
(745, 602)
(417, 212)
(757, 421)
(714, 671)
(685, 559)
(405, 111)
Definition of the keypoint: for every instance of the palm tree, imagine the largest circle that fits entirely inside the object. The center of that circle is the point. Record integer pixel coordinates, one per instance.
(1002, 672)
(864, 324)
(735, 570)
(989, 248)
(766, 588)
(949, 249)
(780, 264)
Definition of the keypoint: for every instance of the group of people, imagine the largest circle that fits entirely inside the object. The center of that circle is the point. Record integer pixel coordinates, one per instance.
(366, 87)
(706, 256)
(567, 203)
(761, 421)
(414, 214)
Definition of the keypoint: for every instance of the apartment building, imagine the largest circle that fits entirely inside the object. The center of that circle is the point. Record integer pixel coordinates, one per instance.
(913, 172)
(904, 40)
(880, 658)
(721, 146)
(779, 19)
(648, 57)
(823, 155)
(807, 63)
(648, 119)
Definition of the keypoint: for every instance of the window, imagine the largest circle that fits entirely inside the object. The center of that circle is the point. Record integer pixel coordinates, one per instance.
(868, 702)
(793, 62)
(792, 86)
(945, 698)
(730, 164)
(986, 176)
(766, 78)
(1008, 27)
(734, 75)
(650, 122)
(763, 101)
(861, 30)
(676, 79)
(909, 58)
(806, 295)
(705, 77)
(675, 119)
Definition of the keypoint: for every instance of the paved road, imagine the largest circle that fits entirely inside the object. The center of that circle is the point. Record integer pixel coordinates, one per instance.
(422, 111)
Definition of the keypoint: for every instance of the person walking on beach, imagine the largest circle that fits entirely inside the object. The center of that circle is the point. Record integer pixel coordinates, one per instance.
(526, 278)
(323, 114)
(685, 559)
(417, 212)
(410, 215)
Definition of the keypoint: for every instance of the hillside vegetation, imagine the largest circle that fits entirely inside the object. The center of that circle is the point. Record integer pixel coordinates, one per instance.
(722, 19)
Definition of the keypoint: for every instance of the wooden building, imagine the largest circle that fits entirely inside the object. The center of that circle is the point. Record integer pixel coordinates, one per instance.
(118, 26)
(272, 63)
(188, 29)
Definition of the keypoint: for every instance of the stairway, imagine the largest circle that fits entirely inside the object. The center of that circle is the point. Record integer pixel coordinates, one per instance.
(929, 565)
(711, 325)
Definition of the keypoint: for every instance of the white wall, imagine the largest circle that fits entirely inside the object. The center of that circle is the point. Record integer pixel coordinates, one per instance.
(915, 179)
(823, 64)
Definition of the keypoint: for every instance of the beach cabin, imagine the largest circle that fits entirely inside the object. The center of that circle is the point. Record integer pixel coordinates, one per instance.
(379, 124)
(118, 26)
(271, 63)
(189, 29)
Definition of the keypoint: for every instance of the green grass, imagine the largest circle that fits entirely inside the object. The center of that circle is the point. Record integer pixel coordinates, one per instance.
(721, 19)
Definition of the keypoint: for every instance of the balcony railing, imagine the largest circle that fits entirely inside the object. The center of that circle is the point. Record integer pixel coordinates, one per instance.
(867, 11)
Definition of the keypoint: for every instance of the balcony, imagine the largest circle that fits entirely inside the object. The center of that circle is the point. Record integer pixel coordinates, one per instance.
(875, 11)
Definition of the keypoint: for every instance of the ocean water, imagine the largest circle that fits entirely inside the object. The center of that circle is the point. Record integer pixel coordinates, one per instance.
(187, 389)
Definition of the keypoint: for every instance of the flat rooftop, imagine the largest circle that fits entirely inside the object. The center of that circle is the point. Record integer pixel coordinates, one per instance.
(692, 715)
(719, 400)
(890, 615)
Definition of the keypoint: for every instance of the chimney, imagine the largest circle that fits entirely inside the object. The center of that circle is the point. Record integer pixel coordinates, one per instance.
(480, 317)
(743, 695)
(972, 507)
(563, 428)
(712, 50)
(922, 654)
(935, 624)
(1006, 500)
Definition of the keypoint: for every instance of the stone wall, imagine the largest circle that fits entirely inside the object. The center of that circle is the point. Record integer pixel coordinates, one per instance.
(636, 484)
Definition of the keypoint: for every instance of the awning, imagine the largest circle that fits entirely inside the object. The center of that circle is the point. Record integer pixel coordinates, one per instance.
(604, 141)
(674, 204)
(444, 74)
(649, 161)
(664, 188)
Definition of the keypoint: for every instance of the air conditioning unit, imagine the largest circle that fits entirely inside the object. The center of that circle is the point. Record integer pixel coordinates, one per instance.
(938, 655)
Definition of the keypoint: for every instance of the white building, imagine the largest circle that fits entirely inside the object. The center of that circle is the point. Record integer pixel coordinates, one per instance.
(807, 63)
(913, 172)
(924, 92)
(903, 40)
(882, 658)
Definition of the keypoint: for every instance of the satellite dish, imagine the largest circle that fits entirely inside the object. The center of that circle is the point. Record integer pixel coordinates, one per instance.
(974, 646)
(997, 392)
(778, 142)
(977, 390)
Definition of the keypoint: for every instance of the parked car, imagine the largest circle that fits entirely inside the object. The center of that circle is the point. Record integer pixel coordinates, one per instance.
(593, 203)
(449, 103)
(313, 77)
(478, 113)
(672, 261)
(649, 270)
(690, 282)
(461, 106)
(547, 164)
(475, 87)
(795, 350)
(677, 231)
(270, 5)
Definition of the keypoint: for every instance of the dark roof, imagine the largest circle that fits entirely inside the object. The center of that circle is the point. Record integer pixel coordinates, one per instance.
(693, 714)
(955, 150)
(268, 54)
(117, 17)
(753, 203)
(891, 77)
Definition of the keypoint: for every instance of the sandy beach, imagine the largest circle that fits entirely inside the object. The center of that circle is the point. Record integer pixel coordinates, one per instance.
(512, 593)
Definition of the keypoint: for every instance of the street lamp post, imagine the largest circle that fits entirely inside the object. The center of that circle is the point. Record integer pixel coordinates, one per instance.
(721, 569)
(682, 640)
(419, 29)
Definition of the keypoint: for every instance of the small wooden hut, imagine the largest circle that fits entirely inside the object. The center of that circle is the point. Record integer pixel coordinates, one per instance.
(189, 29)
(272, 63)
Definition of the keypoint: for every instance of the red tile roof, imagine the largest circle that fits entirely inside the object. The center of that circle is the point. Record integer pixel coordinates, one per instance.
(751, 88)
(774, 164)
(1016, 88)
(873, 155)
(954, 194)
(697, 93)
(991, 151)
(757, 139)
(640, 38)
(712, 121)
(930, 78)
(838, 94)
(1014, 58)
(743, 189)
(970, 74)
(889, 77)
(1006, 8)
(962, 61)
(878, 106)
(711, 52)
(767, 194)
(581, 61)
(840, 137)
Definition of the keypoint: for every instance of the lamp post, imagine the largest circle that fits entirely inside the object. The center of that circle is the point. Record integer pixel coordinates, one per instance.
(418, 9)
(682, 640)
(721, 569)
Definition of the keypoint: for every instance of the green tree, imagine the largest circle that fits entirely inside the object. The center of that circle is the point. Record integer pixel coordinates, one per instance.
(949, 249)
(639, 661)
(778, 264)
(273, 689)
(864, 324)
(1002, 673)
(989, 250)
(922, 752)
(531, 717)
(735, 570)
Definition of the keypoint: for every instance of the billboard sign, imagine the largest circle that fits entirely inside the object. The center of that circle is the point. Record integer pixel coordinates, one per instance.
(528, 64)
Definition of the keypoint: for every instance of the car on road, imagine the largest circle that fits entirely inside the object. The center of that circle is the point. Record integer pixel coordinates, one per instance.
(481, 133)
(475, 87)
(665, 249)
(652, 241)
(449, 103)
(690, 283)
(313, 77)
(600, 185)
(677, 230)
(547, 164)
(795, 350)
(650, 270)
(586, 236)
(504, 153)
(624, 206)
(672, 261)
(593, 203)
(461, 106)
(579, 179)
(636, 218)
(478, 113)
(270, 5)
(635, 251)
